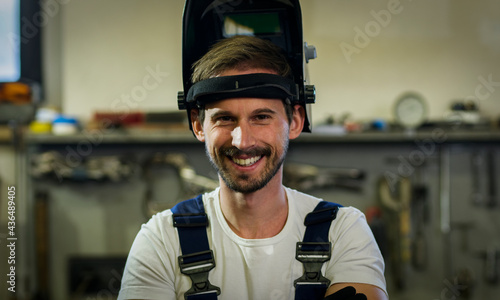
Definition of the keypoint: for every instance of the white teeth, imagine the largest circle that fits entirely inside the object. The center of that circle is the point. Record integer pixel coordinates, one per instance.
(246, 162)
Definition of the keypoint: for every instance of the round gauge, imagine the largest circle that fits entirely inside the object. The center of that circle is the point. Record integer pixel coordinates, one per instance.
(410, 110)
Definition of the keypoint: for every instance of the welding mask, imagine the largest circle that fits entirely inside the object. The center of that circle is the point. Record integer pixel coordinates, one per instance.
(206, 22)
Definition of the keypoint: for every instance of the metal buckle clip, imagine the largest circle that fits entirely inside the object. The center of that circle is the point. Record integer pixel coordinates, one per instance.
(313, 259)
(198, 272)
(190, 220)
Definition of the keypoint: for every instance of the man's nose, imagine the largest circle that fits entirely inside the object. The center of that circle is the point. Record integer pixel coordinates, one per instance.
(243, 137)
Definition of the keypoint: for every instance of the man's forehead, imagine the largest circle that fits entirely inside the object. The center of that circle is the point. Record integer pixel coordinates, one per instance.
(245, 71)
(235, 105)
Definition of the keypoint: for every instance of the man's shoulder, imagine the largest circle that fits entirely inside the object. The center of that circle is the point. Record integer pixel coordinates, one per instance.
(163, 219)
(305, 202)
(301, 196)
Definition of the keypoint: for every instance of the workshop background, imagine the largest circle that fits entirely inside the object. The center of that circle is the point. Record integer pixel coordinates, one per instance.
(430, 194)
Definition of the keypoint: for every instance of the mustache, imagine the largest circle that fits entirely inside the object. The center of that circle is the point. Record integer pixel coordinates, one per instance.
(233, 151)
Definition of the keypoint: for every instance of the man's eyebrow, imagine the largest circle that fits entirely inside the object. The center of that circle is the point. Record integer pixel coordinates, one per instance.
(263, 111)
(220, 113)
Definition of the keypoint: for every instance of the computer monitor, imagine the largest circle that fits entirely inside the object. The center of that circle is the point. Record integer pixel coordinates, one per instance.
(21, 24)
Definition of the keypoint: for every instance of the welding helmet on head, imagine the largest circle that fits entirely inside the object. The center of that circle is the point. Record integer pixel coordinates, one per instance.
(206, 22)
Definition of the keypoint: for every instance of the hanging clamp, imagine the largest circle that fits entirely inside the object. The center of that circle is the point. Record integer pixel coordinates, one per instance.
(312, 255)
(197, 266)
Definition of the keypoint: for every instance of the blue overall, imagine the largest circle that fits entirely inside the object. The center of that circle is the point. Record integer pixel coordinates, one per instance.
(197, 259)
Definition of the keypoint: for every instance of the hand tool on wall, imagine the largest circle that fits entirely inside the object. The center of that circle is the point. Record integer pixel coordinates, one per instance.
(492, 188)
(420, 214)
(476, 165)
(375, 220)
(42, 239)
(190, 183)
(465, 283)
(53, 164)
(491, 263)
(397, 213)
(306, 177)
(445, 209)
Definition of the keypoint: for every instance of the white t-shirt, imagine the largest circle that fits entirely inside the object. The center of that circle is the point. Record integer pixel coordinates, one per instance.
(250, 268)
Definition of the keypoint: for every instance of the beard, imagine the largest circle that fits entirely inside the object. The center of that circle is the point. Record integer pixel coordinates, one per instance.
(244, 183)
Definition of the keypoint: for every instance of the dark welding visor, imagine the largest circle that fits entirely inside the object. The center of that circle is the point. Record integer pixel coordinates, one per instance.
(259, 85)
(205, 22)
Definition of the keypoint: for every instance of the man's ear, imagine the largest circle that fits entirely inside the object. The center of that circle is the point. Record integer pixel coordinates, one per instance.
(197, 125)
(298, 119)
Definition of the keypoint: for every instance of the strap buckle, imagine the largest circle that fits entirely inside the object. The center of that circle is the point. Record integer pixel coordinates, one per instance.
(190, 220)
(312, 255)
(196, 266)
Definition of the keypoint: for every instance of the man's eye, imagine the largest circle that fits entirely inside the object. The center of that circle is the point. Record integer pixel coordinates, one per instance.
(224, 119)
(262, 117)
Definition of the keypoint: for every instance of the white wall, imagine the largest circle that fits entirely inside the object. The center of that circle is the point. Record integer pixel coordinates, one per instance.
(110, 50)
(437, 48)
(441, 49)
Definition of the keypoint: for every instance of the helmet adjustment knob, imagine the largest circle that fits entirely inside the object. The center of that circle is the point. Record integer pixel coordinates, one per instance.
(310, 94)
(180, 100)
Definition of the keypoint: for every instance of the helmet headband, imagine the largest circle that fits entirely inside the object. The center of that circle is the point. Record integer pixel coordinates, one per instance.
(260, 85)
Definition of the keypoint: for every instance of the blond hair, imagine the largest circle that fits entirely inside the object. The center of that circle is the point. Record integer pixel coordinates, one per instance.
(241, 52)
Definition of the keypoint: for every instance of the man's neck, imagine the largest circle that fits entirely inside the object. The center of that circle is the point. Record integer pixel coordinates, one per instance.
(261, 214)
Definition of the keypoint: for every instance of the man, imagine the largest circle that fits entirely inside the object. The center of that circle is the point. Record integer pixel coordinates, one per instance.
(254, 221)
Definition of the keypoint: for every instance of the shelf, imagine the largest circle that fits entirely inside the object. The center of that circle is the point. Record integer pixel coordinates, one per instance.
(436, 135)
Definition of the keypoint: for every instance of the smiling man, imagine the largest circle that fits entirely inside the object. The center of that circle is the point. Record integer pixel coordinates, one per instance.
(247, 238)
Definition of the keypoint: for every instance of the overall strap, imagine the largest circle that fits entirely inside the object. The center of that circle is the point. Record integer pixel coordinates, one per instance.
(314, 250)
(197, 259)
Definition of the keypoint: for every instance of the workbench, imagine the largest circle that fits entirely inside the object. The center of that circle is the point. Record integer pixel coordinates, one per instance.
(97, 219)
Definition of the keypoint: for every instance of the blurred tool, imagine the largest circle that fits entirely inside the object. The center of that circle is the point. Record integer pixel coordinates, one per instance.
(15, 92)
(189, 183)
(375, 221)
(395, 200)
(138, 119)
(42, 122)
(420, 216)
(54, 165)
(42, 242)
(464, 113)
(107, 120)
(480, 160)
(419, 209)
(491, 258)
(477, 163)
(306, 177)
(465, 283)
(445, 209)
(18, 100)
(64, 125)
(379, 125)
(492, 188)
(491, 265)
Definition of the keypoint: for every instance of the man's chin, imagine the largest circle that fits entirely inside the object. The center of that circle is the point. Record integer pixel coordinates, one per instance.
(246, 190)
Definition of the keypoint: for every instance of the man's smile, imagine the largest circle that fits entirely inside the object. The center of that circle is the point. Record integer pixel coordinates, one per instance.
(246, 162)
